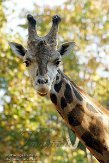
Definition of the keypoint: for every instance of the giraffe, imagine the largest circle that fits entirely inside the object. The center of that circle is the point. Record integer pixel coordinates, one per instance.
(87, 119)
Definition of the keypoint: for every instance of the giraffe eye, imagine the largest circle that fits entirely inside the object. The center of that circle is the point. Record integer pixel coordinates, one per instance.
(57, 62)
(27, 63)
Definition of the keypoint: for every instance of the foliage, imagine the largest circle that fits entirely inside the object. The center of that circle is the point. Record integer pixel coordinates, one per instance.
(29, 123)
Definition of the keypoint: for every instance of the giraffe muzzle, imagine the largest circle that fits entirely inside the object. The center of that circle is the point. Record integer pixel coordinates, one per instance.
(42, 86)
(42, 81)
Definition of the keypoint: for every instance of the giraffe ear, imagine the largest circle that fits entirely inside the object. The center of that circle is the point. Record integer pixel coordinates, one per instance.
(66, 48)
(18, 49)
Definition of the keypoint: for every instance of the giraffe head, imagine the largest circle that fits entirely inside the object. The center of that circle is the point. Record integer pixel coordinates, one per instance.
(42, 58)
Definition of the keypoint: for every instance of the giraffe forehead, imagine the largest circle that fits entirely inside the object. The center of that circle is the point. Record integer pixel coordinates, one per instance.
(42, 54)
(43, 48)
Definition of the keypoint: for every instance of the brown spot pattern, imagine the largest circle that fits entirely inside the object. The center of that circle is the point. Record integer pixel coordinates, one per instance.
(53, 98)
(68, 94)
(93, 143)
(94, 129)
(75, 117)
(58, 86)
(77, 94)
(63, 102)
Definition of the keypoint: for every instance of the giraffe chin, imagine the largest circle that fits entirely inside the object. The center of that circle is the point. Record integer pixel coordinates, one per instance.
(42, 91)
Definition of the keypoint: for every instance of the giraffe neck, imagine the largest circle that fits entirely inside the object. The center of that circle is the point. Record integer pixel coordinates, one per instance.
(87, 119)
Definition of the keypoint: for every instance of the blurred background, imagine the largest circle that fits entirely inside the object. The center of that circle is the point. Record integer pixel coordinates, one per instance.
(30, 127)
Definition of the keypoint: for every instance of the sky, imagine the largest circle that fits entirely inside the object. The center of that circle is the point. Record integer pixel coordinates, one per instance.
(28, 5)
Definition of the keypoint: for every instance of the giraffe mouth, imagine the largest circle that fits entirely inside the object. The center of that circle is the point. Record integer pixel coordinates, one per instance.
(42, 90)
(42, 94)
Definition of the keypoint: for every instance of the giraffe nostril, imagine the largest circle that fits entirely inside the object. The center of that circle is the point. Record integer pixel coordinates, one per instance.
(42, 81)
(46, 81)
